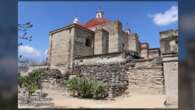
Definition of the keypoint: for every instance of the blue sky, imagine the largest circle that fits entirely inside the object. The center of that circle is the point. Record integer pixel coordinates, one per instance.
(145, 18)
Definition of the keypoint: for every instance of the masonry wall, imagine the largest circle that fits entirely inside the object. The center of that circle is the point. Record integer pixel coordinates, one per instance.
(169, 42)
(137, 76)
(169, 54)
(133, 43)
(153, 52)
(145, 77)
(101, 42)
(83, 42)
(59, 50)
(114, 28)
(113, 74)
(144, 53)
(170, 65)
(100, 59)
(124, 40)
(144, 50)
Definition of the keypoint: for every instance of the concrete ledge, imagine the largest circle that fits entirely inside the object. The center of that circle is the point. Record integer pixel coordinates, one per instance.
(170, 59)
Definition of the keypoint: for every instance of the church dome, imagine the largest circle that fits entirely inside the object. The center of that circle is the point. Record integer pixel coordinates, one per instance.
(95, 22)
(99, 20)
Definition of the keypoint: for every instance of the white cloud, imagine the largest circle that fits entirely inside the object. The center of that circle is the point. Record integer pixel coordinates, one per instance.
(31, 53)
(167, 17)
(28, 51)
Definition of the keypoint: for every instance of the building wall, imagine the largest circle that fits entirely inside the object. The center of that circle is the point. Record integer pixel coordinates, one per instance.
(59, 53)
(146, 77)
(118, 39)
(169, 55)
(124, 40)
(140, 77)
(69, 42)
(170, 67)
(133, 43)
(154, 53)
(114, 28)
(169, 41)
(83, 43)
(144, 50)
(101, 42)
(101, 59)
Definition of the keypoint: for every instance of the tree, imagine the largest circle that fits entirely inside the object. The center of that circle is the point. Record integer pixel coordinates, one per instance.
(23, 35)
(30, 82)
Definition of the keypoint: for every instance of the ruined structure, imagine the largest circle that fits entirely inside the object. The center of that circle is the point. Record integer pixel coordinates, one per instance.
(101, 48)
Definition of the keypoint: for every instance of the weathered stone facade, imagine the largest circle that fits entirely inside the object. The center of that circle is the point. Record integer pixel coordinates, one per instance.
(169, 54)
(170, 68)
(67, 43)
(154, 53)
(113, 74)
(108, 53)
(169, 42)
(146, 77)
(101, 44)
(144, 50)
(139, 76)
(78, 40)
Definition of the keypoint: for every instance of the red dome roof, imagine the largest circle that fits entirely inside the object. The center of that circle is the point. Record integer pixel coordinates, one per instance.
(95, 22)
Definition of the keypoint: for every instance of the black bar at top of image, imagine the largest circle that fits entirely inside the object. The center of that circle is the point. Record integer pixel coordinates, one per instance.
(101, 0)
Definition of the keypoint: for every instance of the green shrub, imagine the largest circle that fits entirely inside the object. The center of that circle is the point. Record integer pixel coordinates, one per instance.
(30, 82)
(73, 85)
(100, 90)
(87, 88)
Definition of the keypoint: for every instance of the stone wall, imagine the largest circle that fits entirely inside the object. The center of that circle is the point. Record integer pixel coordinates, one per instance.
(100, 59)
(169, 41)
(113, 74)
(170, 67)
(145, 77)
(31, 68)
(139, 76)
(60, 48)
(144, 50)
(101, 41)
(83, 42)
(113, 28)
(133, 42)
(69, 42)
(169, 54)
(154, 52)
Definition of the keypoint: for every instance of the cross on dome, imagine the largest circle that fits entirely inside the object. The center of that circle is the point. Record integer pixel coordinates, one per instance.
(99, 14)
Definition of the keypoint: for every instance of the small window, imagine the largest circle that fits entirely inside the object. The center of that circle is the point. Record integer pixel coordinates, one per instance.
(123, 46)
(88, 42)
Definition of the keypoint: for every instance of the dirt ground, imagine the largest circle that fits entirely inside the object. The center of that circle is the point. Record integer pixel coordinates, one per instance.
(61, 100)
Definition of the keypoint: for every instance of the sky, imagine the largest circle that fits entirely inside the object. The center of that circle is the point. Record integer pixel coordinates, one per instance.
(146, 19)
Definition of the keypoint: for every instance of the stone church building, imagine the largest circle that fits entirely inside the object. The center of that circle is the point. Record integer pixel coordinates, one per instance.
(98, 36)
(102, 47)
